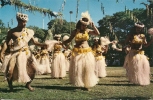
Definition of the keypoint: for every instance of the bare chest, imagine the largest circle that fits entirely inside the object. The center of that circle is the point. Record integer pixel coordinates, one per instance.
(15, 35)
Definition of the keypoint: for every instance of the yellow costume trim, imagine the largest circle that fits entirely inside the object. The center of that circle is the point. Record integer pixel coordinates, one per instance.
(140, 52)
(138, 40)
(44, 52)
(37, 56)
(97, 51)
(81, 37)
(99, 58)
(22, 37)
(81, 50)
(57, 51)
(26, 49)
(57, 47)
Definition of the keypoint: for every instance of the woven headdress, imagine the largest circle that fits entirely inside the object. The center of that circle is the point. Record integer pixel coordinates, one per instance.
(22, 16)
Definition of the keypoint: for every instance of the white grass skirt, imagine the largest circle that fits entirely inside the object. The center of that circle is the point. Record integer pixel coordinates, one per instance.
(101, 67)
(58, 67)
(82, 70)
(137, 67)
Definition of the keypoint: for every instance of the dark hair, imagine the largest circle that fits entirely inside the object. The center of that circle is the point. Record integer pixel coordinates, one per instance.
(95, 43)
(133, 30)
(55, 38)
(78, 25)
(139, 23)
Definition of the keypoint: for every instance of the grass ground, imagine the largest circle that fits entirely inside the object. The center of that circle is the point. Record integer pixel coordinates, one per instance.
(114, 86)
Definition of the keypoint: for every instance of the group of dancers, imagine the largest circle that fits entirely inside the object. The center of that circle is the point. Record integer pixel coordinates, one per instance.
(85, 63)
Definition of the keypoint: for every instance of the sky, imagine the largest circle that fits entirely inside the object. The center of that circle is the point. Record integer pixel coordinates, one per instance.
(8, 12)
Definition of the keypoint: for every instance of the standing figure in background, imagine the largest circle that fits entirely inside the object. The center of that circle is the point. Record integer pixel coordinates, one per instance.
(58, 66)
(100, 59)
(136, 63)
(43, 62)
(67, 53)
(21, 65)
(82, 64)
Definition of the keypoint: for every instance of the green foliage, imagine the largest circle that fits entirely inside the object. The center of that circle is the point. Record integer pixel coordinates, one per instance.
(3, 31)
(39, 33)
(117, 26)
(59, 26)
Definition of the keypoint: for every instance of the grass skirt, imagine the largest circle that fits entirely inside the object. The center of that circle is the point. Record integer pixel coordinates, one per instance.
(58, 66)
(21, 66)
(82, 70)
(100, 66)
(43, 66)
(137, 67)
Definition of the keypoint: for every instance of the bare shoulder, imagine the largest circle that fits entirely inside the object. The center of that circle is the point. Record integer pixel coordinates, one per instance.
(30, 31)
(11, 31)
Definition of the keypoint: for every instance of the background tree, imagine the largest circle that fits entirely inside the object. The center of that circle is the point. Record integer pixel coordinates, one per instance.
(59, 27)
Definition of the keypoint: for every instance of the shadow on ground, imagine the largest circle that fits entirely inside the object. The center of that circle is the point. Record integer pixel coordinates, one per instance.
(58, 87)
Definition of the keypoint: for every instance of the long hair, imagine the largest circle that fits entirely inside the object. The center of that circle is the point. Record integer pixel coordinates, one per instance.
(133, 30)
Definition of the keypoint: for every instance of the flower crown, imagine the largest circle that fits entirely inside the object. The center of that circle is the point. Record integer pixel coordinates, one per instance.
(22, 16)
(138, 25)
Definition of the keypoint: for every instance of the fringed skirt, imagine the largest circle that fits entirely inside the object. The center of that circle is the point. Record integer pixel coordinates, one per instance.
(100, 66)
(43, 66)
(82, 68)
(58, 66)
(67, 64)
(137, 67)
(21, 66)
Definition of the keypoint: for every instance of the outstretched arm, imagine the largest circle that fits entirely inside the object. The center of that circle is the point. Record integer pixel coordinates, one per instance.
(4, 47)
(38, 43)
(71, 37)
(149, 43)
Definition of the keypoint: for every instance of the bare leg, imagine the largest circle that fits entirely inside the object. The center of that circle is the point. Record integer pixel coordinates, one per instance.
(9, 73)
(31, 72)
(29, 86)
(9, 81)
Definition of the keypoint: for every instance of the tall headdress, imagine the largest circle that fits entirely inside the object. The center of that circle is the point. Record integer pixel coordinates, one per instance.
(22, 16)
(85, 15)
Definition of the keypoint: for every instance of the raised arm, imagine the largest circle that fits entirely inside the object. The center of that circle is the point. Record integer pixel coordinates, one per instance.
(95, 31)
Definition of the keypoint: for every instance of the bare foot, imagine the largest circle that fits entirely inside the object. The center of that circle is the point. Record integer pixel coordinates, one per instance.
(29, 87)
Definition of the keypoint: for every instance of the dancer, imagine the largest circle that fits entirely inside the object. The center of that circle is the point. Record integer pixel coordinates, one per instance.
(82, 64)
(58, 66)
(43, 62)
(67, 52)
(100, 47)
(136, 63)
(21, 65)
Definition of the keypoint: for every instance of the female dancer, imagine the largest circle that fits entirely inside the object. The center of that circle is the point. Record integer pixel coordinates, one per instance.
(67, 52)
(58, 66)
(136, 63)
(82, 65)
(43, 62)
(98, 50)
